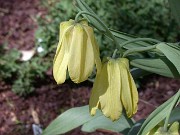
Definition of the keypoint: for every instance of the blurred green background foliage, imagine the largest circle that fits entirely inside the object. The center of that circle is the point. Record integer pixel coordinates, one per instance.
(150, 19)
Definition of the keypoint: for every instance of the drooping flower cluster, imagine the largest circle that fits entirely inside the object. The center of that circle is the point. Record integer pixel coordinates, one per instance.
(114, 89)
(77, 51)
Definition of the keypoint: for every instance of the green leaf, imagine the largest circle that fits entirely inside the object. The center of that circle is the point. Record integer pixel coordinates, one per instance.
(175, 115)
(173, 104)
(171, 53)
(105, 123)
(174, 45)
(157, 116)
(137, 72)
(69, 120)
(175, 7)
(161, 66)
(136, 127)
(76, 117)
(122, 37)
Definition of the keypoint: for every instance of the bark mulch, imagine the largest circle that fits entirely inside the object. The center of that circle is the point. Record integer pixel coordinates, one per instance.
(17, 114)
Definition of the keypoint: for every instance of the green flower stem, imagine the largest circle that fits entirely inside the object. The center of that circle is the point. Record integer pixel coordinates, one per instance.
(174, 102)
(106, 28)
(114, 53)
(139, 39)
(139, 49)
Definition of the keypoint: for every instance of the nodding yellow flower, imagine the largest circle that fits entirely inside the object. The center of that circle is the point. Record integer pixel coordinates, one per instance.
(77, 52)
(113, 90)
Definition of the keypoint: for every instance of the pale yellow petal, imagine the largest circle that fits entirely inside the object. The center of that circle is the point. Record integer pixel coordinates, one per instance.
(174, 128)
(75, 53)
(61, 58)
(60, 63)
(97, 56)
(87, 58)
(125, 61)
(99, 88)
(129, 95)
(95, 46)
(64, 27)
(134, 93)
(110, 101)
(81, 60)
(126, 95)
(84, 22)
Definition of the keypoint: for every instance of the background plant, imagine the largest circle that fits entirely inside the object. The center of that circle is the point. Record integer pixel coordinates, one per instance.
(22, 75)
(8, 62)
(141, 18)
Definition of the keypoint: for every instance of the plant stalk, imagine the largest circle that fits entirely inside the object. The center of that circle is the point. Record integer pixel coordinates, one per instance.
(106, 28)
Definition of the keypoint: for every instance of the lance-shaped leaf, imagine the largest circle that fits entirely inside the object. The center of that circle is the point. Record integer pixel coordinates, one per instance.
(158, 115)
(69, 120)
(175, 115)
(136, 127)
(104, 123)
(161, 66)
(172, 53)
(174, 45)
(78, 116)
(122, 37)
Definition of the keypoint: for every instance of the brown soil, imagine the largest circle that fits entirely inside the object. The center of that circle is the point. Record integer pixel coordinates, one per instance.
(18, 22)
(17, 114)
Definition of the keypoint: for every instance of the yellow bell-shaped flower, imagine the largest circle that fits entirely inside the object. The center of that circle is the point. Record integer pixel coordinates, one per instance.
(77, 51)
(113, 90)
